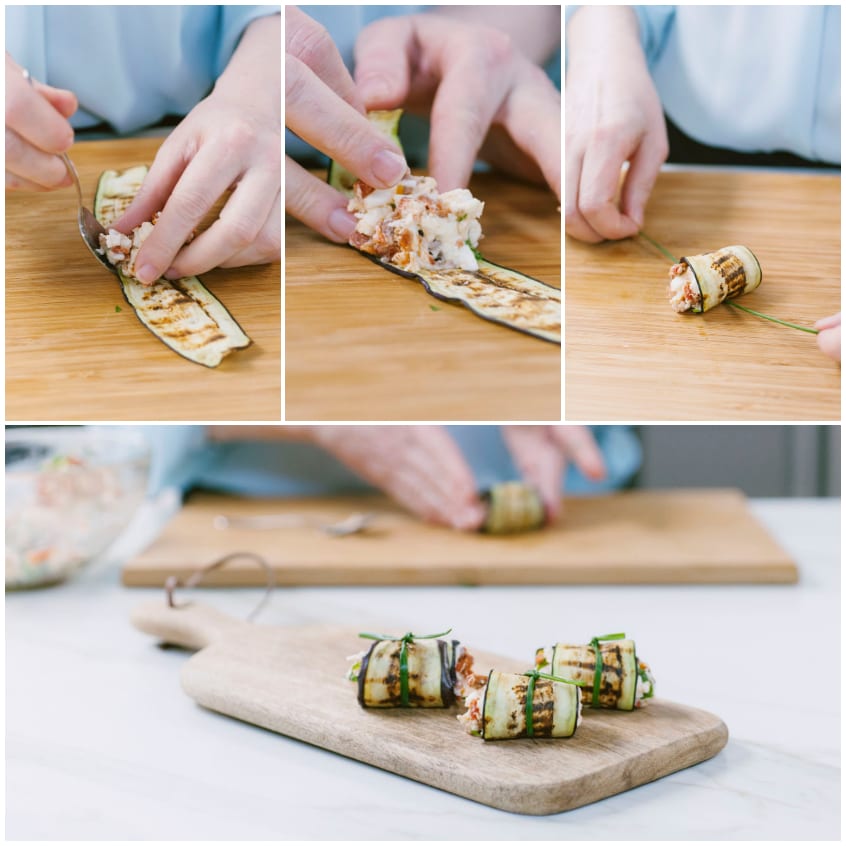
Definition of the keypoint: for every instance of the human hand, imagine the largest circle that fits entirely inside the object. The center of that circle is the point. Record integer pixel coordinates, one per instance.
(323, 108)
(828, 339)
(37, 131)
(231, 138)
(421, 467)
(542, 454)
(612, 115)
(483, 95)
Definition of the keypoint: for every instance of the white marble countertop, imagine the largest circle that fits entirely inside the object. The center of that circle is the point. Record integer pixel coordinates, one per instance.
(101, 742)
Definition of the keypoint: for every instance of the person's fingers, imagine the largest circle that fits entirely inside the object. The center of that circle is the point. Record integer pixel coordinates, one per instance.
(599, 182)
(383, 55)
(32, 165)
(62, 100)
(311, 44)
(540, 462)
(829, 342)
(18, 183)
(32, 117)
(205, 179)
(158, 185)
(580, 447)
(643, 171)
(462, 111)
(828, 322)
(267, 247)
(239, 224)
(531, 114)
(316, 204)
(575, 224)
(335, 128)
(444, 475)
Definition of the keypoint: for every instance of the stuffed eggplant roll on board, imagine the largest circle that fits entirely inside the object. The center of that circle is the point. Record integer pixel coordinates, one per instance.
(513, 705)
(512, 507)
(623, 681)
(698, 283)
(411, 672)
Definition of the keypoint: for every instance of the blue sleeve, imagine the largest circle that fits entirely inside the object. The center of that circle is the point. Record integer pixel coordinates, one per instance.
(234, 20)
(653, 21)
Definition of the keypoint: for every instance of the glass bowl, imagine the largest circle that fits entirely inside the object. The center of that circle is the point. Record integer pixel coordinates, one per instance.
(70, 491)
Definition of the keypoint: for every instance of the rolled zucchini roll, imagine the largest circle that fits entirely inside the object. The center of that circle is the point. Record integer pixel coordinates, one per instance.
(512, 507)
(513, 705)
(623, 683)
(698, 283)
(411, 672)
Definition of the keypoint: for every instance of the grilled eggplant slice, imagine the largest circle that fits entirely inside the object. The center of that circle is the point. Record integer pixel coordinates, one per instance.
(699, 283)
(431, 676)
(512, 507)
(387, 122)
(515, 706)
(183, 314)
(624, 683)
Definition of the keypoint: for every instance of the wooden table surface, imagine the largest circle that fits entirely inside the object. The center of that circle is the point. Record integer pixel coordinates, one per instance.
(363, 343)
(70, 355)
(629, 356)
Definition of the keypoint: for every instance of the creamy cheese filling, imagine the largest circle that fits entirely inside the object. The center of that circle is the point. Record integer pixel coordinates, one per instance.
(684, 289)
(414, 227)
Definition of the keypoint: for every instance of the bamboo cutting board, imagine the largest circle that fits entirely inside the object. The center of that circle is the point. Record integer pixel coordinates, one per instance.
(72, 355)
(363, 343)
(291, 680)
(629, 356)
(681, 536)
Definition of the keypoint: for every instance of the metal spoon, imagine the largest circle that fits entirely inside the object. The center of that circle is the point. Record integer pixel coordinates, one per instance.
(89, 228)
(350, 525)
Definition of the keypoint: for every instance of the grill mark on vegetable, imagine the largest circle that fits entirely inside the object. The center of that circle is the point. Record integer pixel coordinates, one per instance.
(731, 269)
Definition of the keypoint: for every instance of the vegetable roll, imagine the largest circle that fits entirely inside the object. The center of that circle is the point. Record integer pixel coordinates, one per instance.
(698, 283)
(528, 705)
(623, 683)
(512, 507)
(413, 672)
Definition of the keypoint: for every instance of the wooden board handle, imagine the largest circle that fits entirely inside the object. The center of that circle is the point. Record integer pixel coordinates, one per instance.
(191, 626)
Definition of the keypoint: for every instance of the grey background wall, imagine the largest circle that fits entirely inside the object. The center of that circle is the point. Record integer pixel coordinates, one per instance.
(761, 460)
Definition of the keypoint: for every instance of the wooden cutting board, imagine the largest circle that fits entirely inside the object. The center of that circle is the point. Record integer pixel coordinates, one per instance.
(629, 356)
(291, 680)
(365, 344)
(71, 355)
(680, 536)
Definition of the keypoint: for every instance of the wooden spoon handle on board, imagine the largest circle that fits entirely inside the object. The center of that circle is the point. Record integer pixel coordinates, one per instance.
(191, 625)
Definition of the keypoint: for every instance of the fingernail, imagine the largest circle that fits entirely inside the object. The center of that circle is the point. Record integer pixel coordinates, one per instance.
(341, 224)
(146, 274)
(388, 167)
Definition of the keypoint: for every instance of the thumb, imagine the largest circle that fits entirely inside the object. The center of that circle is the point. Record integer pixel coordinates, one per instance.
(539, 461)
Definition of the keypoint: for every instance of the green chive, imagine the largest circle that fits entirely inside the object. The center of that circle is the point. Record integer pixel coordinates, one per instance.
(118, 308)
(773, 319)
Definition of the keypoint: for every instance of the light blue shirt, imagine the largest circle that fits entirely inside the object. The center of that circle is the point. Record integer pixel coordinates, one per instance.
(344, 24)
(182, 458)
(749, 78)
(129, 66)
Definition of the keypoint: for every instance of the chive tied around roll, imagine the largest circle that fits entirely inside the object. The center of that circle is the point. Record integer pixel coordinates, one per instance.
(607, 668)
(530, 705)
(412, 671)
